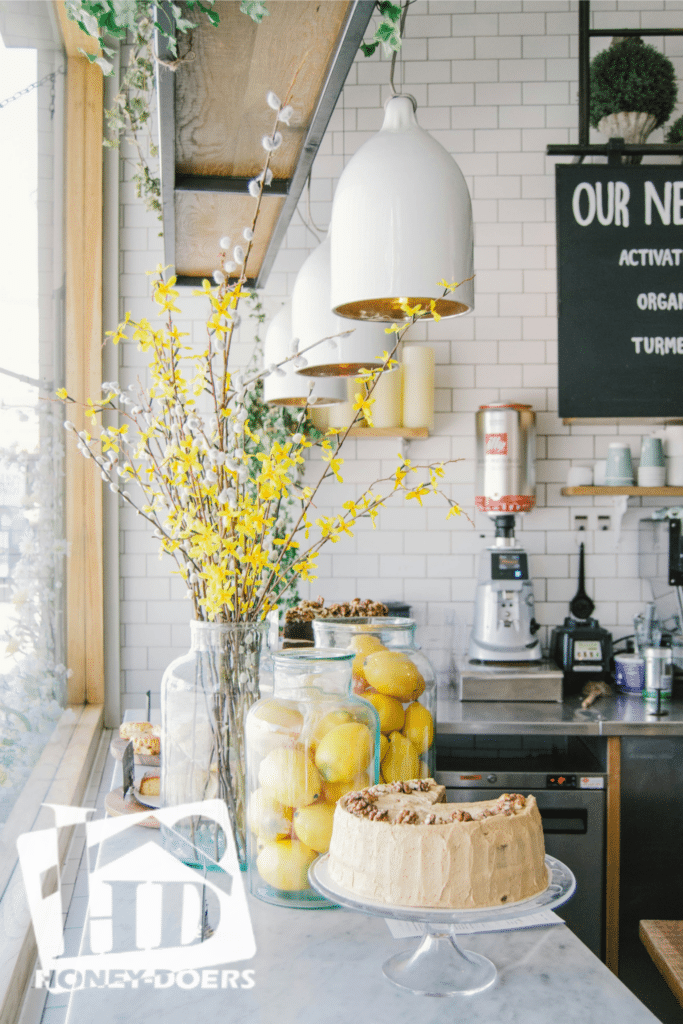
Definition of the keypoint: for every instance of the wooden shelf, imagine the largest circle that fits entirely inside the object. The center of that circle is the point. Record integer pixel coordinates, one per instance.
(634, 492)
(409, 433)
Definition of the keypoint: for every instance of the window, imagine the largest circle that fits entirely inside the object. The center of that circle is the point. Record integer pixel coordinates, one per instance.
(32, 549)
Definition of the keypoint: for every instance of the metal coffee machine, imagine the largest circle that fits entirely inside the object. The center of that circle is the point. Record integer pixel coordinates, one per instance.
(504, 627)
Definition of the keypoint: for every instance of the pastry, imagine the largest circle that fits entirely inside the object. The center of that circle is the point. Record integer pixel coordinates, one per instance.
(129, 729)
(402, 844)
(150, 785)
(146, 743)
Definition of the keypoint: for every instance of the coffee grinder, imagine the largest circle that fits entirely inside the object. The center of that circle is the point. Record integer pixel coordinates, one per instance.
(505, 629)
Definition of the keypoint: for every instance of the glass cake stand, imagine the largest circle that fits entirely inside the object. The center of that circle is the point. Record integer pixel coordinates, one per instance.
(438, 966)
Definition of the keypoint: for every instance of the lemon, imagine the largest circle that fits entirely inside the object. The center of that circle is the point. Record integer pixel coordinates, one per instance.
(267, 818)
(401, 761)
(419, 727)
(290, 777)
(389, 709)
(363, 644)
(393, 674)
(282, 715)
(332, 791)
(284, 864)
(383, 746)
(344, 751)
(327, 722)
(272, 724)
(313, 826)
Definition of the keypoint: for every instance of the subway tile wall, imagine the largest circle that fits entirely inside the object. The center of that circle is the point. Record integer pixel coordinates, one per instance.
(495, 83)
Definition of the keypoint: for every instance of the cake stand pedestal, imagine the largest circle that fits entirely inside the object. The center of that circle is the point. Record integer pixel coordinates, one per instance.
(438, 966)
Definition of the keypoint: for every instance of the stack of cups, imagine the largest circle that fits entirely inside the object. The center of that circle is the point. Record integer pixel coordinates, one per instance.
(619, 469)
(673, 441)
(652, 468)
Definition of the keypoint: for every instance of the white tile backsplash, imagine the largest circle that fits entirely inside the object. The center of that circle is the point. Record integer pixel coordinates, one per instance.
(496, 81)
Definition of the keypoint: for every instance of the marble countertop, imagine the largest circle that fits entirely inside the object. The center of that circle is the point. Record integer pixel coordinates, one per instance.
(326, 966)
(608, 716)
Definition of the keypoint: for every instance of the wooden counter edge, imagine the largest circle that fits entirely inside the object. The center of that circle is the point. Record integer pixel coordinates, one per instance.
(613, 853)
(664, 942)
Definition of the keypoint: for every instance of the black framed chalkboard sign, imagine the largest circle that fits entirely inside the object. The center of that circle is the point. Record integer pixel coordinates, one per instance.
(620, 290)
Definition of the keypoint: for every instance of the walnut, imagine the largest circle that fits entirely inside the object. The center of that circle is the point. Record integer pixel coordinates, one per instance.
(430, 819)
(376, 814)
(407, 817)
(461, 816)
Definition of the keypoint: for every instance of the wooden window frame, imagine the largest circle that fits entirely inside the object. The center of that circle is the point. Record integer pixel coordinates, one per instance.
(61, 774)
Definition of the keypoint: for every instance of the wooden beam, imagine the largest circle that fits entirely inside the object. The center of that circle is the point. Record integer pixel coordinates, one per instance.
(613, 853)
(74, 39)
(83, 362)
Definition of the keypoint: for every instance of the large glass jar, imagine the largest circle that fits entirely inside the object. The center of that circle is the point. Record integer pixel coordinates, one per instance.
(392, 674)
(205, 695)
(307, 745)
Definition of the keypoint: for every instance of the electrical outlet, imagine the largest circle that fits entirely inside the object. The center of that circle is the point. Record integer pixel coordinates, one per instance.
(604, 521)
(580, 522)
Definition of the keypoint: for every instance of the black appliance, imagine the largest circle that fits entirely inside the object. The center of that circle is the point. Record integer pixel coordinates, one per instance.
(569, 784)
(581, 647)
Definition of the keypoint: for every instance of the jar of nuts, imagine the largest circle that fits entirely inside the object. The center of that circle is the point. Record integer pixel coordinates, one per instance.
(391, 673)
(307, 745)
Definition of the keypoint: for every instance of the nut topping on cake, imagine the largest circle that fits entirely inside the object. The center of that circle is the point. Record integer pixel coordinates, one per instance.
(407, 818)
(419, 802)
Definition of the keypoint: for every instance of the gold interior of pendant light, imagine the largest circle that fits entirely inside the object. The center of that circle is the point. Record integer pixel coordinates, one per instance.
(392, 308)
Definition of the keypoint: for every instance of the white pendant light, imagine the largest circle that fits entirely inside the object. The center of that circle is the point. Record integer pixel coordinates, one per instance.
(288, 387)
(312, 319)
(401, 222)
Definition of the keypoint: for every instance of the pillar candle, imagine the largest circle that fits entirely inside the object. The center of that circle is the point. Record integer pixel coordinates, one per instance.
(342, 414)
(386, 411)
(418, 386)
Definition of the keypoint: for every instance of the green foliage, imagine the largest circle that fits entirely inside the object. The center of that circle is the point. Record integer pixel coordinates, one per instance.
(675, 132)
(255, 9)
(388, 32)
(129, 118)
(632, 76)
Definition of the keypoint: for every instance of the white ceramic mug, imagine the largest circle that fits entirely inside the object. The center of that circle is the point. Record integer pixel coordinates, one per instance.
(579, 476)
(674, 471)
(599, 471)
(673, 440)
(651, 476)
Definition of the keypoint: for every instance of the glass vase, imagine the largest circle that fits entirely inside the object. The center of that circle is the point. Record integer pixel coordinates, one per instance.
(205, 696)
(391, 673)
(307, 745)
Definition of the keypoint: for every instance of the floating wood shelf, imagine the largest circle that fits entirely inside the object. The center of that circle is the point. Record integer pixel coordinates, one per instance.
(409, 433)
(633, 492)
(213, 115)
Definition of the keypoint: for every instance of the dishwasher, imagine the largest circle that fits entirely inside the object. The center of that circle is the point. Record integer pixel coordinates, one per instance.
(569, 784)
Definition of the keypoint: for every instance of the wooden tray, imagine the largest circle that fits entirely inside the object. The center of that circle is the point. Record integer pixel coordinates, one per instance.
(118, 746)
(115, 805)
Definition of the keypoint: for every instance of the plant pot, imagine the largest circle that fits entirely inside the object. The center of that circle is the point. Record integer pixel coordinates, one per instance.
(631, 126)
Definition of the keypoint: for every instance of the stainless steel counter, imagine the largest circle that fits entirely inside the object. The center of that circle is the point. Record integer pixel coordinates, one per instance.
(608, 716)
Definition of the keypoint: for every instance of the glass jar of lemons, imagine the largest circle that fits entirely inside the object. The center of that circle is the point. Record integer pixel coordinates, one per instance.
(307, 745)
(392, 674)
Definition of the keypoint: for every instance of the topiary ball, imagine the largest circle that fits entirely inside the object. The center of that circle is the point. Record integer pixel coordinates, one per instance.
(675, 132)
(632, 76)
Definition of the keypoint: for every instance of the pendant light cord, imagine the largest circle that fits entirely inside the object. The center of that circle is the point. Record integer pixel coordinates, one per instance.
(404, 14)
